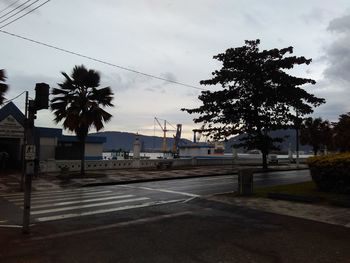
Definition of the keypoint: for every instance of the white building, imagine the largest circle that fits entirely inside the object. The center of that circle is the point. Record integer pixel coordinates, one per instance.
(201, 150)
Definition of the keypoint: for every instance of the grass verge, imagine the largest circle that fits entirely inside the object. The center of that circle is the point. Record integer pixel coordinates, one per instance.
(305, 189)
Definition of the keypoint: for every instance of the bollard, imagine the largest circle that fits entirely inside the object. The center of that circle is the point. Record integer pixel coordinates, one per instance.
(245, 181)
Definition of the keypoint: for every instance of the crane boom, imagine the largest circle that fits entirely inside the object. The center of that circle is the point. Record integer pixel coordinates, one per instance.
(177, 138)
(164, 129)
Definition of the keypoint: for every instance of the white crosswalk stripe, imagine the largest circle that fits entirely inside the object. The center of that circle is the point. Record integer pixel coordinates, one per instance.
(60, 197)
(81, 201)
(55, 205)
(36, 212)
(95, 212)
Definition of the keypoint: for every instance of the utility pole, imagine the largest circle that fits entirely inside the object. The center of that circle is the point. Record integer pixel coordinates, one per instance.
(41, 102)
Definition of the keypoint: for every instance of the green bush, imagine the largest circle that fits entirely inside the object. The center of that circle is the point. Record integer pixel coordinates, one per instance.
(331, 173)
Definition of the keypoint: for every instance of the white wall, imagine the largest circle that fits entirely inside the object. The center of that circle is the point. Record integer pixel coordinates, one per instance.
(93, 149)
(47, 148)
(202, 151)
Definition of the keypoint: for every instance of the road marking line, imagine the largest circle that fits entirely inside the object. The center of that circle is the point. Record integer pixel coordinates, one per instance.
(189, 199)
(116, 225)
(60, 196)
(161, 190)
(87, 206)
(82, 201)
(102, 211)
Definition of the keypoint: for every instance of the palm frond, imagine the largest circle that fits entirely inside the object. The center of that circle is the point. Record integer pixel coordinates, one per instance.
(78, 101)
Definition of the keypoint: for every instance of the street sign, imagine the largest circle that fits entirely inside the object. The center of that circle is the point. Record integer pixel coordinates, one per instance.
(30, 152)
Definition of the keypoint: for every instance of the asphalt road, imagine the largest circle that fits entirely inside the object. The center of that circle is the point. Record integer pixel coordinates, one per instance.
(126, 223)
(81, 202)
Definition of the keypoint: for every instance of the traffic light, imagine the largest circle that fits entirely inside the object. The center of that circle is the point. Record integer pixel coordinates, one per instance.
(42, 91)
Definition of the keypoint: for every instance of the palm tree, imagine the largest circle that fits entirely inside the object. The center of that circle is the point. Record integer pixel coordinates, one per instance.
(77, 102)
(3, 86)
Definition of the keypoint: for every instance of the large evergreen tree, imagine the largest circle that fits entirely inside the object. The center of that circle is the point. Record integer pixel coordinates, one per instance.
(317, 133)
(341, 132)
(78, 102)
(3, 86)
(257, 95)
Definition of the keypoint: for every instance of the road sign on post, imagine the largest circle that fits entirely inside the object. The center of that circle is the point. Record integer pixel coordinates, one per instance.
(30, 152)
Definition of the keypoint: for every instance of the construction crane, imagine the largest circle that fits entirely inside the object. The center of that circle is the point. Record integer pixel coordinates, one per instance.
(165, 130)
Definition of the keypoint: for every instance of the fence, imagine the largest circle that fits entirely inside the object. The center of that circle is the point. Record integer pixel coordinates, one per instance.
(74, 165)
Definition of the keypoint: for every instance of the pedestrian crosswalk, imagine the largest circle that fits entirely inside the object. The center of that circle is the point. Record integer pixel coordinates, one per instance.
(62, 204)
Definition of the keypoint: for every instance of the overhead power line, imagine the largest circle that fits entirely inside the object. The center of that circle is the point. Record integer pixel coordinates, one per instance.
(3, 10)
(30, 11)
(100, 61)
(7, 101)
(13, 10)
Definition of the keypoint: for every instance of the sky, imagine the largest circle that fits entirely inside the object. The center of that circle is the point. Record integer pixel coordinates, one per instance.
(175, 40)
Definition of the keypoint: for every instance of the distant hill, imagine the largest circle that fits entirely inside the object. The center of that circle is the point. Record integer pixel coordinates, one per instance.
(284, 146)
(124, 140)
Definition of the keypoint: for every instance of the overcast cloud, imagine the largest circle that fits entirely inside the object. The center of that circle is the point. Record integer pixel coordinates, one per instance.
(174, 40)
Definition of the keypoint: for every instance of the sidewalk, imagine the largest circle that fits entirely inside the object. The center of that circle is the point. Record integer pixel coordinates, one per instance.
(315, 212)
(11, 181)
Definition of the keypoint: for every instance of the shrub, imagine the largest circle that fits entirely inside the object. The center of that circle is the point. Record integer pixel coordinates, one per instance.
(331, 173)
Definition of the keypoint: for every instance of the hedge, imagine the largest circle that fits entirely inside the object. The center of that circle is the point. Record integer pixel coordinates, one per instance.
(331, 173)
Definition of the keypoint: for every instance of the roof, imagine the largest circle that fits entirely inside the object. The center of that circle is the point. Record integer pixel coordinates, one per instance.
(57, 133)
(197, 146)
(11, 109)
(49, 132)
(89, 139)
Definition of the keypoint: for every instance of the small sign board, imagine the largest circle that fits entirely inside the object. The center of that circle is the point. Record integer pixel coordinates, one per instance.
(30, 152)
(11, 128)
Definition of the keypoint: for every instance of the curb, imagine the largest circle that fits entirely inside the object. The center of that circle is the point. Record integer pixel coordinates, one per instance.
(176, 177)
(154, 179)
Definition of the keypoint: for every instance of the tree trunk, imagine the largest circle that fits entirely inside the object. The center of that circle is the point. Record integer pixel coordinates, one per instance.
(265, 148)
(297, 144)
(82, 157)
(264, 159)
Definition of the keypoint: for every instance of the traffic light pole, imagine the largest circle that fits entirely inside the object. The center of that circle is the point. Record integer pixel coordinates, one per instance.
(41, 102)
(29, 168)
